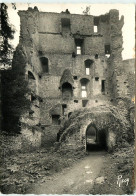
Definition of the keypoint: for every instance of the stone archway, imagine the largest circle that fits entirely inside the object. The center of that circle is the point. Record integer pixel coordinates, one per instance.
(91, 136)
(101, 138)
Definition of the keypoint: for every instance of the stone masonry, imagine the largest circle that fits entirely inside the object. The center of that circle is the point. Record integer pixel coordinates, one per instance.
(73, 61)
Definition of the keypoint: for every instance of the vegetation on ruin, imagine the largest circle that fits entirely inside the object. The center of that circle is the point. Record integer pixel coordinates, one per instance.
(104, 117)
(14, 91)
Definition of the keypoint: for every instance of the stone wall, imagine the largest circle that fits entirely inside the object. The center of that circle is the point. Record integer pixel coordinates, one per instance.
(44, 36)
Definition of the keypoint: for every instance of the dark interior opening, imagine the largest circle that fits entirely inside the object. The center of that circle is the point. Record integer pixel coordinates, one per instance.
(96, 78)
(73, 54)
(55, 119)
(95, 140)
(102, 139)
(91, 138)
(76, 101)
(103, 86)
(96, 20)
(75, 77)
(30, 75)
(67, 91)
(44, 64)
(96, 56)
(33, 97)
(69, 114)
(84, 103)
(65, 22)
(88, 64)
(79, 46)
(107, 49)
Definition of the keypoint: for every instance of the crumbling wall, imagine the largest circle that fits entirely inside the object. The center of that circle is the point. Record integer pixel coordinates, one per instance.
(42, 35)
(116, 50)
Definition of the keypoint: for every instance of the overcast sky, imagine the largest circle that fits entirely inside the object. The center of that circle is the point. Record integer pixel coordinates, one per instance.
(128, 10)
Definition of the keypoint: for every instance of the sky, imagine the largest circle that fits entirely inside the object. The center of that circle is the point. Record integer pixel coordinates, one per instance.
(128, 10)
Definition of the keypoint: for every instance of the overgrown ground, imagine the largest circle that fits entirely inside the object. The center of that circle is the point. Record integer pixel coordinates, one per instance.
(120, 163)
(20, 170)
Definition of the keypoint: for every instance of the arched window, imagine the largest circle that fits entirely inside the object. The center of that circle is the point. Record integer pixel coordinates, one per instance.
(67, 90)
(30, 75)
(84, 84)
(88, 64)
(44, 64)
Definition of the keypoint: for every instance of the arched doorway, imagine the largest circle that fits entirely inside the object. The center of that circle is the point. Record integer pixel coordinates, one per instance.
(91, 137)
(95, 139)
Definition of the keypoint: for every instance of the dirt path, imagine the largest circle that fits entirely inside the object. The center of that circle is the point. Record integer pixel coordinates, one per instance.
(78, 179)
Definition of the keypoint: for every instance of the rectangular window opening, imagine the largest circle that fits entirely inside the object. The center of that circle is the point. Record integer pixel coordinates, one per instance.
(76, 101)
(84, 94)
(87, 71)
(56, 119)
(65, 22)
(103, 86)
(78, 49)
(79, 46)
(84, 91)
(64, 107)
(95, 29)
(107, 49)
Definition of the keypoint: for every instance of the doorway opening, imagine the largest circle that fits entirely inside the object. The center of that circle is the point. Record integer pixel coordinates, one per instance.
(95, 140)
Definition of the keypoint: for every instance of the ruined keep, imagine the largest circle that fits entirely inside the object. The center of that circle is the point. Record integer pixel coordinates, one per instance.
(71, 62)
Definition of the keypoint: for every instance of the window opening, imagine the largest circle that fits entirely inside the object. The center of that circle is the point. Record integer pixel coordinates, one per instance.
(56, 119)
(96, 56)
(95, 29)
(76, 101)
(107, 49)
(78, 49)
(75, 77)
(79, 46)
(65, 22)
(84, 83)
(88, 64)
(84, 91)
(64, 107)
(87, 71)
(84, 103)
(44, 63)
(103, 86)
(96, 78)
(96, 23)
(30, 75)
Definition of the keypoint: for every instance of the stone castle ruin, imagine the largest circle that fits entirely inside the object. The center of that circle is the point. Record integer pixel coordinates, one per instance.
(74, 68)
